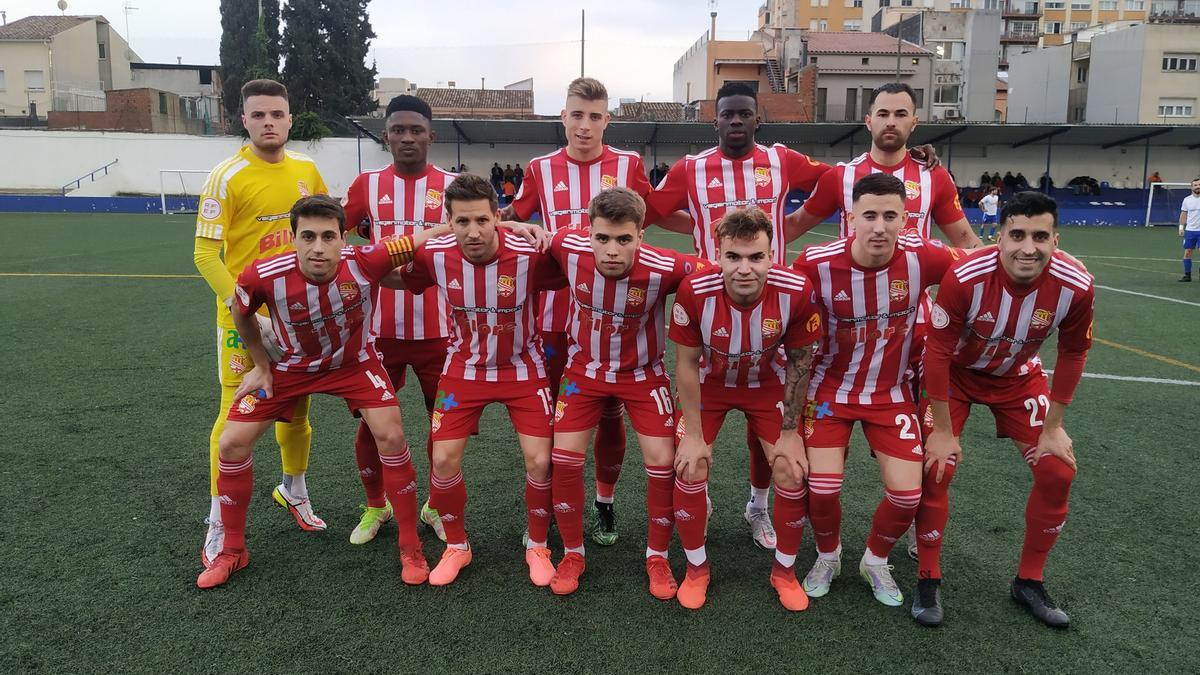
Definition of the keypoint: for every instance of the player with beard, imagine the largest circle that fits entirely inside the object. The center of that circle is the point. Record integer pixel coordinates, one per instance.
(994, 311)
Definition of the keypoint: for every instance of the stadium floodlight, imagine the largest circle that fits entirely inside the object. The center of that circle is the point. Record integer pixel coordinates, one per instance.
(1163, 201)
(184, 185)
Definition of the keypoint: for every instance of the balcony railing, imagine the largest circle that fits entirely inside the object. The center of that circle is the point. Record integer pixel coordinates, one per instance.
(1021, 9)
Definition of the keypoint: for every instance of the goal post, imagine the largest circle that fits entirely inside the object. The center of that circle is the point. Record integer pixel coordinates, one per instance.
(179, 189)
(1163, 201)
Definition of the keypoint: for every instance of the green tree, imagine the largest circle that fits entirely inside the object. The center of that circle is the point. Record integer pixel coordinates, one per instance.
(324, 48)
(249, 47)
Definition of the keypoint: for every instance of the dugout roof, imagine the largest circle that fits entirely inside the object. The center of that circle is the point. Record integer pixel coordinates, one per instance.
(625, 134)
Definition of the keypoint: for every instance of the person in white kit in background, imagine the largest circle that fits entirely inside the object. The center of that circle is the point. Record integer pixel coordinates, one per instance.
(1189, 228)
(990, 205)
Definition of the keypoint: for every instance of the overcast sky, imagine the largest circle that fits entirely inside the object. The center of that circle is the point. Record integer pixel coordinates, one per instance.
(632, 45)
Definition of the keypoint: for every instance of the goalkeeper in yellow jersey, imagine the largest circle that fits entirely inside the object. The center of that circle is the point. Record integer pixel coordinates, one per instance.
(244, 209)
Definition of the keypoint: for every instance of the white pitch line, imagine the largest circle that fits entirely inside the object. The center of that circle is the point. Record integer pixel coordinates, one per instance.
(1125, 378)
(1118, 257)
(1147, 295)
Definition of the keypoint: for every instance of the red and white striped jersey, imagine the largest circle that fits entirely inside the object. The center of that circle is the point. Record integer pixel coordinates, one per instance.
(868, 316)
(618, 326)
(385, 204)
(743, 346)
(931, 196)
(492, 306)
(561, 188)
(710, 184)
(984, 322)
(320, 325)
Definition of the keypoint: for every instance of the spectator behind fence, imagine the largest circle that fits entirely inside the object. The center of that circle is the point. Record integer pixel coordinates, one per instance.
(518, 176)
(497, 177)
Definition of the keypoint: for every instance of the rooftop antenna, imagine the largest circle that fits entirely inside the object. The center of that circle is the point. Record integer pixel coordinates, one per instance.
(62, 7)
(127, 7)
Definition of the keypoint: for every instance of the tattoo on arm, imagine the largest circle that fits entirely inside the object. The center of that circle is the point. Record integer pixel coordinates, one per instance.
(795, 385)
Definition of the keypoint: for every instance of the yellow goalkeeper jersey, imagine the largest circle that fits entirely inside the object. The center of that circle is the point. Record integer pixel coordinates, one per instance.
(245, 204)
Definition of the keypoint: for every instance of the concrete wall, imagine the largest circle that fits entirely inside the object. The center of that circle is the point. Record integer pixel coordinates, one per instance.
(1117, 58)
(690, 79)
(16, 58)
(980, 64)
(1038, 85)
(1156, 83)
(54, 158)
(838, 72)
(76, 57)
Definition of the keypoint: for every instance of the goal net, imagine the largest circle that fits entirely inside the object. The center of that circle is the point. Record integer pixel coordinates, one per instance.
(1163, 201)
(179, 189)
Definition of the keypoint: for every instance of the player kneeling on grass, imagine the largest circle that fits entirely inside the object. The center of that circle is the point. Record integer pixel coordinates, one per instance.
(872, 284)
(490, 279)
(732, 328)
(617, 337)
(319, 297)
(993, 312)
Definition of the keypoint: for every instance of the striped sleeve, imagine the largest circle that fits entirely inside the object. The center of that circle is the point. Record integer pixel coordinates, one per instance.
(215, 207)
(400, 251)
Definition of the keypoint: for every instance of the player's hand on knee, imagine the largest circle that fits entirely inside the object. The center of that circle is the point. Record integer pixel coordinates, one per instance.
(940, 446)
(258, 379)
(1055, 441)
(692, 458)
(789, 456)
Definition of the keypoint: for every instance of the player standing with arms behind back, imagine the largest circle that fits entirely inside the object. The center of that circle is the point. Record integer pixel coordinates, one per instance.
(560, 186)
(1189, 228)
(410, 330)
(244, 209)
(993, 312)
(737, 173)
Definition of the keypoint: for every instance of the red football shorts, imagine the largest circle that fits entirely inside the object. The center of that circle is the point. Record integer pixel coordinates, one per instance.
(554, 350)
(763, 408)
(891, 429)
(1018, 403)
(581, 400)
(425, 357)
(361, 385)
(459, 404)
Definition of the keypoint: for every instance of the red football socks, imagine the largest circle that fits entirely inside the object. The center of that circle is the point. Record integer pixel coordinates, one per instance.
(932, 516)
(449, 497)
(567, 487)
(660, 485)
(370, 472)
(825, 510)
(691, 512)
(539, 504)
(1045, 513)
(235, 483)
(892, 517)
(400, 483)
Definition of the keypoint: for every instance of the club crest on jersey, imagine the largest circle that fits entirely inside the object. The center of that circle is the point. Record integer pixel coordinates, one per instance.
(898, 290)
(912, 189)
(560, 409)
(303, 188)
(237, 364)
(636, 296)
(607, 182)
(1041, 318)
(348, 291)
(210, 209)
(679, 315)
(435, 421)
(506, 285)
(433, 199)
(770, 328)
(814, 322)
(762, 176)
